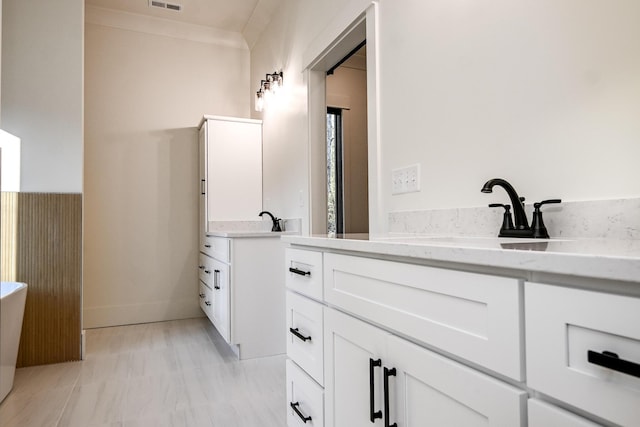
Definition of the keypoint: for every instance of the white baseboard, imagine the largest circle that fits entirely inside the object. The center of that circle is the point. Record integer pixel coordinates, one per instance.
(158, 311)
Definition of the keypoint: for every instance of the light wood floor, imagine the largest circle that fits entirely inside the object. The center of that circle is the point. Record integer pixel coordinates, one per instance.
(178, 373)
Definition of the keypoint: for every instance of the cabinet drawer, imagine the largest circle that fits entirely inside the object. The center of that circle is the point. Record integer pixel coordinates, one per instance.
(542, 414)
(475, 316)
(217, 247)
(206, 299)
(305, 334)
(205, 267)
(304, 272)
(306, 396)
(563, 328)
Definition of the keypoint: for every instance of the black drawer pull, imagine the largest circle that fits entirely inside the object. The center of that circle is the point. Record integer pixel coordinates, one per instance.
(373, 414)
(387, 373)
(208, 271)
(207, 246)
(216, 279)
(202, 295)
(297, 411)
(201, 267)
(300, 272)
(299, 335)
(207, 302)
(612, 361)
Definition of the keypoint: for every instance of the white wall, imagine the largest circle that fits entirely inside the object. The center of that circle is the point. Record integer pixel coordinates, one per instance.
(42, 50)
(544, 94)
(148, 83)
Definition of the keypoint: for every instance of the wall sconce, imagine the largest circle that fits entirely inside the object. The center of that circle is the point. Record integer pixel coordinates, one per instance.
(268, 87)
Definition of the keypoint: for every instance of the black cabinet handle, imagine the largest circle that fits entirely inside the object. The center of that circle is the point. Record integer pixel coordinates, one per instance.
(208, 271)
(202, 187)
(216, 279)
(373, 414)
(201, 267)
(299, 335)
(207, 302)
(297, 411)
(201, 295)
(612, 361)
(387, 373)
(300, 272)
(207, 246)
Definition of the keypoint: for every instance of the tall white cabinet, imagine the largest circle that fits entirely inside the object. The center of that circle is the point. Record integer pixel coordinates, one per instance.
(241, 287)
(230, 169)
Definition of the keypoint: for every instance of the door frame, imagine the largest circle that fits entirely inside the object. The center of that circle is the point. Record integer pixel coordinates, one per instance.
(333, 45)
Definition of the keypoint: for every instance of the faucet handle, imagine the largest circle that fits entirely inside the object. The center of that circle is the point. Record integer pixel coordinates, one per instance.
(537, 224)
(507, 221)
(546, 202)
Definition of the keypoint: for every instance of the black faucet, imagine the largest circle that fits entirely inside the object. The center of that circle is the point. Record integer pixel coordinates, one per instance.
(519, 216)
(521, 227)
(276, 221)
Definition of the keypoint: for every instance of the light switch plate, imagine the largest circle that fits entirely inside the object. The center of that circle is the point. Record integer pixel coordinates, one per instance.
(406, 179)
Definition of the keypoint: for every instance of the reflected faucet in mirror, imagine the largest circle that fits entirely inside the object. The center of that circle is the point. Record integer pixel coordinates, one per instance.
(519, 227)
(276, 221)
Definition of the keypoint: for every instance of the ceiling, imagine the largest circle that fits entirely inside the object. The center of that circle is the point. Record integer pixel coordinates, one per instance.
(228, 15)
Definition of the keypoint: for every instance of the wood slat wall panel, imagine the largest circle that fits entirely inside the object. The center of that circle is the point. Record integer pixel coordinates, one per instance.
(48, 257)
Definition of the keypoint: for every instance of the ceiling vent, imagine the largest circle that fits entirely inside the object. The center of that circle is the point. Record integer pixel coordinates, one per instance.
(165, 5)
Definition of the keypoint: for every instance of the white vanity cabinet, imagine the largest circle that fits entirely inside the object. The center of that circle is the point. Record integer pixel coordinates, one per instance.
(230, 169)
(242, 282)
(448, 336)
(371, 374)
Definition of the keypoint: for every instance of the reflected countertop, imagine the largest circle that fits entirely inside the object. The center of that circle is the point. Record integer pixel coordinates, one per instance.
(250, 233)
(596, 258)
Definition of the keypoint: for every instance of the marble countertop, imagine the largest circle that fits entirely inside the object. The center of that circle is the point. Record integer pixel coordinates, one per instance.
(595, 258)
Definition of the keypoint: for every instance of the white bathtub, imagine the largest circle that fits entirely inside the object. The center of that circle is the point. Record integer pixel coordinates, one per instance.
(12, 299)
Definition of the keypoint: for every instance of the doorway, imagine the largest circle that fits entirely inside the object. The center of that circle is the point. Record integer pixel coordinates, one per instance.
(331, 47)
(347, 144)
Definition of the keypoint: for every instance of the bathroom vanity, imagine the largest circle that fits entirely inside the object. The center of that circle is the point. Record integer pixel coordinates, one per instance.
(241, 290)
(415, 331)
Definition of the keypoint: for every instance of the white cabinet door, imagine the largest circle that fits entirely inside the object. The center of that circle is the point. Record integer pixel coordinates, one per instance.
(234, 169)
(426, 389)
(202, 189)
(354, 354)
(221, 312)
